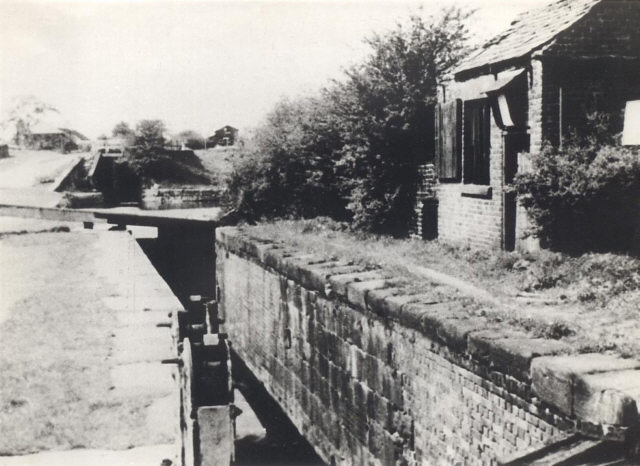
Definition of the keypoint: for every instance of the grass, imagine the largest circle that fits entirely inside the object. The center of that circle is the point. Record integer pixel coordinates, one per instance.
(592, 301)
(218, 160)
(56, 340)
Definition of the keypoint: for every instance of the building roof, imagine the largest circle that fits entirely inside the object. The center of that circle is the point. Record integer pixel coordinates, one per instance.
(75, 135)
(528, 32)
(44, 128)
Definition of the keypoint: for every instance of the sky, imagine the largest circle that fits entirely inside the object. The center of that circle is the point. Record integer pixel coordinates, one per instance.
(195, 64)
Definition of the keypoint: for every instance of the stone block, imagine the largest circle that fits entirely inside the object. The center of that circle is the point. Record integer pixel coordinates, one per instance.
(393, 305)
(453, 332)
(553, 377)
(339, 282)
(314, 277)
(295, 266)
(607, 398)
(512, 350)
(357, 291)
(376, 298)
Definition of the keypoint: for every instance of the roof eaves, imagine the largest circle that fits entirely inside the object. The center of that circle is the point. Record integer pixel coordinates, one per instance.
(490, 68)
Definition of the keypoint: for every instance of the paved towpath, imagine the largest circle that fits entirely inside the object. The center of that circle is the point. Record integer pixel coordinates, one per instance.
(81, 379)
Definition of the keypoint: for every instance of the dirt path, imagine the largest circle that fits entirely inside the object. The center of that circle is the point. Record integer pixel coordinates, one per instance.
(29, 168)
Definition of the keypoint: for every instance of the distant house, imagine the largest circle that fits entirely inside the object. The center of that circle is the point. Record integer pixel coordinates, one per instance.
(225, 136)
(537, 82)
(44, 137)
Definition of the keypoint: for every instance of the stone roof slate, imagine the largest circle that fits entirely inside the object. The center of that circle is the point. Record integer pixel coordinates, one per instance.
(529, 31)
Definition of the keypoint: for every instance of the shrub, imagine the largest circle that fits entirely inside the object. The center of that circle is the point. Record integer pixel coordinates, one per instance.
(584, 197)
(150, 133)
(191, 139)
(162, 166)
(290, 168)
(354, 151)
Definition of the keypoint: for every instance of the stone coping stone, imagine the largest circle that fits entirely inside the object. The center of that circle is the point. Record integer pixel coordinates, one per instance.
(340, 283)
(607, 397)
(596, 388)
(511, 349)
(564, 382)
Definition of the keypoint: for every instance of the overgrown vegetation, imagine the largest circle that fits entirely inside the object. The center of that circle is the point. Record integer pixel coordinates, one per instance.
(165, 167)
(352, 152)
(191, 139)
(585, 196)
(147, 161)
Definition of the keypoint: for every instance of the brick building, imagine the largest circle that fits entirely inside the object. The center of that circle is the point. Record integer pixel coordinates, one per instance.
(225, 136)
(537, 82)
(46, 137)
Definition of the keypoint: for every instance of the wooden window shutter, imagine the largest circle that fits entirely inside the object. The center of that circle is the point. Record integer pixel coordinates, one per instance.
(448, 140)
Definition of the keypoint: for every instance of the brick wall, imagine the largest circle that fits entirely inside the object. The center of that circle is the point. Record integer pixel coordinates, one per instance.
(609, 30)
(427, 184)
(536, 139)
(370, 374)
(584, 87)
(466, 217)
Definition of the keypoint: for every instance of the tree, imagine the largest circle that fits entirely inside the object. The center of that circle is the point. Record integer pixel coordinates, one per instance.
(356, 148)
(124, 131)
(191, 139)
(388, 104)
(150, 133)
(288, 169)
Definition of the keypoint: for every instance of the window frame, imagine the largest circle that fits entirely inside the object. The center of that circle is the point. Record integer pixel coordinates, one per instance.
(476, 136)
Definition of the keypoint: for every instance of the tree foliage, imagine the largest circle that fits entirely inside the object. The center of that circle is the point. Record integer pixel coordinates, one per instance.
(289, 168)
(124, 131)
(150, 134)
(191, 139)
(353, 151)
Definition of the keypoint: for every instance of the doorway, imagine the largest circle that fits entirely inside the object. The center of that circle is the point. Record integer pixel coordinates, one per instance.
(514, 143)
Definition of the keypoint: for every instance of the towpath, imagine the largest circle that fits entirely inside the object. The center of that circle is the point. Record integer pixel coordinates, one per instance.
(83, 335)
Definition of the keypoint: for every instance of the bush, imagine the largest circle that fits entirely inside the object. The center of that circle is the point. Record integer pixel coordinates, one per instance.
(583, 198)
(162, 166)
(354, 151)
(191, 139)
(289, 170)
(150, 134)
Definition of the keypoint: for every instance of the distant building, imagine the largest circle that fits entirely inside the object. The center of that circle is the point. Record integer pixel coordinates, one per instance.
(225, 136)
(44, 137)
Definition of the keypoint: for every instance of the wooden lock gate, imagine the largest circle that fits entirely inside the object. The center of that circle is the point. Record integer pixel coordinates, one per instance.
(206, 392)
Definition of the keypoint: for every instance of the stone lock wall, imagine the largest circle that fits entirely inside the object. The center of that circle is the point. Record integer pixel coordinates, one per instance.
(372, 375)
